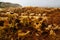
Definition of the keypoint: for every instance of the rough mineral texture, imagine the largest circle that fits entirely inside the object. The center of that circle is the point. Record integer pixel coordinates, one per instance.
(29, 23)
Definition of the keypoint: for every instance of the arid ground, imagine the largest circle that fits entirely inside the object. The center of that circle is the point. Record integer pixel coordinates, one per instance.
(29, 23)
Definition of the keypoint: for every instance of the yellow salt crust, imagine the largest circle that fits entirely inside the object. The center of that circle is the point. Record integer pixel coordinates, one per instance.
(3, 18)
(52, 33)
(20, 33)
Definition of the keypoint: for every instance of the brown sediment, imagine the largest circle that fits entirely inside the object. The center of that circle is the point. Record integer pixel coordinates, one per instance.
(30, 23)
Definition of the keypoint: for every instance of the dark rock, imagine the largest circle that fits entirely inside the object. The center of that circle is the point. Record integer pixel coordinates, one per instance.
(7, 4)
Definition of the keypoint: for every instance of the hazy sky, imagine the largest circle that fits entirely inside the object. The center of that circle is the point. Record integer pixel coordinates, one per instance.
(48, 3)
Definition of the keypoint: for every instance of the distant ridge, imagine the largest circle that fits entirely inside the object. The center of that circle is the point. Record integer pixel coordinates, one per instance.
(7, 4)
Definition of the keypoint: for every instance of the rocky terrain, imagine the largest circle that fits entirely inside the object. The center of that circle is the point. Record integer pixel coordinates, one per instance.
(30, 23)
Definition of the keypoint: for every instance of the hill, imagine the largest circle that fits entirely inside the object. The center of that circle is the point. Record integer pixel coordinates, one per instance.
(7, 4)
